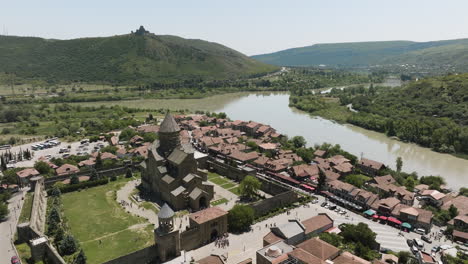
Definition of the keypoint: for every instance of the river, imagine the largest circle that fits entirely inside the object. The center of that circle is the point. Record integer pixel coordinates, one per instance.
(273, 109)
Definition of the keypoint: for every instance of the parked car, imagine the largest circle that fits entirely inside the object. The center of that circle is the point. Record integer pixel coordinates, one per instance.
(15, 260)
(384, 250)
(427, 239)
(332, 207)
(414, 249)
(420, 231)
(315, 201)
(323, 204)
(65, 156)
(435, 249)
(418, 243)
(409, 242)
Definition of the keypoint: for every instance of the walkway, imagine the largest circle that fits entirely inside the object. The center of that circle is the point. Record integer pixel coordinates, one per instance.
(8, 227)
(130, 206)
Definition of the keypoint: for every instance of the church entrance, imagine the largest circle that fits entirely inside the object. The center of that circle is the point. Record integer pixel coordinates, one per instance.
(214, 235)
(202, 203)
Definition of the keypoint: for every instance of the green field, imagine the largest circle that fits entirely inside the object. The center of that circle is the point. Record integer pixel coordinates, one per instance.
(235, 190)
(26, 210)
(219, 201)
(104, 230)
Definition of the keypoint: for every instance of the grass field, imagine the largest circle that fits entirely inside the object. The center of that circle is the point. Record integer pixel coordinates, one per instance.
(26, 210)
(218, 202)
(104, 230)
(235, 190)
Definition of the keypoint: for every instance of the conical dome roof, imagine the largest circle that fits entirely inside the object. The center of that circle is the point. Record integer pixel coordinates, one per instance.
(169, 125)
(166, 212)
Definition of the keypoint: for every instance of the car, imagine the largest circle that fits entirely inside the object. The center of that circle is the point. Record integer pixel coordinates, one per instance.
(384, 250)
(332, 207)
(15, 260)
(323, 204)
(414, 249)
(435, 249)
(65, 156)
(409, 242)
(337, 210)
(342, 212)
(420, 231)
(315, 201)
(418, 243)
(427, 239)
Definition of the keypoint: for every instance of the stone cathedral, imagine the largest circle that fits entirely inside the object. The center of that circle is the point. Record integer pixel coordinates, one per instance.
(170, 173)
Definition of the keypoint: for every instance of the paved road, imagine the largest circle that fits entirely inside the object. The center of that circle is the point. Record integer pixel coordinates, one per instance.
(8, 227)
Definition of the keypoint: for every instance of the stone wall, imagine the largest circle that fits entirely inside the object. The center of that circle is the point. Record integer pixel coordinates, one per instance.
(103, 173)
(229, 171)
(272, 187)
(278, 201)
(39, 207)
(53, 256)
(143, 256)
(190, 239)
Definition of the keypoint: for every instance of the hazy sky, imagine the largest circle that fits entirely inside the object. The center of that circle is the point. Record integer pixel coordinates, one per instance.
(249, 26)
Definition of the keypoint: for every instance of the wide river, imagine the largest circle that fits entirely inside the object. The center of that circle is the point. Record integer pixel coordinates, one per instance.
(273, 109)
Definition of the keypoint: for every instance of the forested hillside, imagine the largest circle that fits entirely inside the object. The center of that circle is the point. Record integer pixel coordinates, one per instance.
(124, 59)
(431, 112)
(446, 52)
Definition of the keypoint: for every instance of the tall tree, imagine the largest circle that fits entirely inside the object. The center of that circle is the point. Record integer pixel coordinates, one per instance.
(321, 180)
(399, 164)
(249, 187)
(81, 258)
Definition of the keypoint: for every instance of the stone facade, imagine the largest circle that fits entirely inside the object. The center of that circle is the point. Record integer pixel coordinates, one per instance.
(170, 172)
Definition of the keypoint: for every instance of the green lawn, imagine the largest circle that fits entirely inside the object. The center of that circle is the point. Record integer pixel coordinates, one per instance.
(94, 215)
(26, 210)
(212, 175)
(219, 181)
(24, 252)
(228, 185)
(149, 206)
(218, 202)
(235, 190)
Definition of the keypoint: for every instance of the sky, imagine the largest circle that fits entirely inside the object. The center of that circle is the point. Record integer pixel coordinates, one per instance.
(249, 26)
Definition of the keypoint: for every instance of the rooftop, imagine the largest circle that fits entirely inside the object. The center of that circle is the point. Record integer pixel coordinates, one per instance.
(206, 215)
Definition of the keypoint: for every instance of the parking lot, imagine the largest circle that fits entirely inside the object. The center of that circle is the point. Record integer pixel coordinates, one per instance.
(74, 148)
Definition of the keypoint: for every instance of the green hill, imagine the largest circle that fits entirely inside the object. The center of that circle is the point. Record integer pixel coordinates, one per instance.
(453, 52)
(131, 58)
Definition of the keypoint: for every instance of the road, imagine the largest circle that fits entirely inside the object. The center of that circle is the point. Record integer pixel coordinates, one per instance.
(8, 227)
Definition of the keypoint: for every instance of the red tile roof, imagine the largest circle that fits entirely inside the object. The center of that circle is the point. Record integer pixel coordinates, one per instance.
(208, 214)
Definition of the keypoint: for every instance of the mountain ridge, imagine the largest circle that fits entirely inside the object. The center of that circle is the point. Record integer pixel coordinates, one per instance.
(127, 58)
(369, 53)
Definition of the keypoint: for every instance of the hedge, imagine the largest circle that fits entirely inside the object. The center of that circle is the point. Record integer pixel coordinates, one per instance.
(81, 185)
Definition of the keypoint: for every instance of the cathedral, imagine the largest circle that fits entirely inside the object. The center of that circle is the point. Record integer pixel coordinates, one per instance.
(170, 173)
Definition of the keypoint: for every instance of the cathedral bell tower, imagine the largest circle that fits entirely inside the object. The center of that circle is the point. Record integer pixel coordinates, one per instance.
(169, 137)
(167, 236)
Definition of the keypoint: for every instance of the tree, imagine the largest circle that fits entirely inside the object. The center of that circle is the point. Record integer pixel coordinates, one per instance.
(74, 179)
(128, 173)
(404, 257)
(463, 191)
(98, 163)
(3, 210)
(453, 211)
(399, 164)
(54, 215)
(249, 186)
(409, 183)
(321, 180)
(360, 233)
(42, 167)
(240, 217)
(59, 234)
(81, 258)
(55, 191)
(94, 176)
(331, 238)
(298, 141)
(68, 245)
